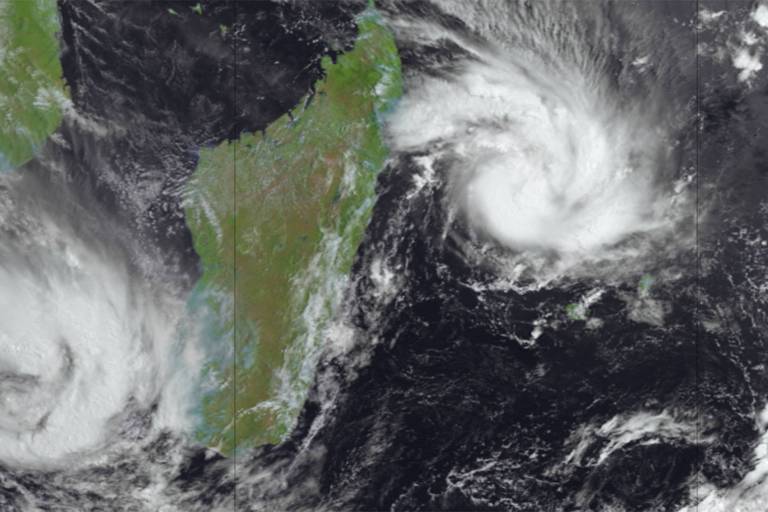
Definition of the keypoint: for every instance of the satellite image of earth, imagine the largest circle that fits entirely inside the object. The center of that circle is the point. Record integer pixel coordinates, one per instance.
(384, 255)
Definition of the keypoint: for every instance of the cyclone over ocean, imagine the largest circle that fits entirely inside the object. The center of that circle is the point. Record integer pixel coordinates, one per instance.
(384, 255)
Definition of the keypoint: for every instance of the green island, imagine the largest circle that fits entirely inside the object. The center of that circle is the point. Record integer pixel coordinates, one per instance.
(33, 94)
(576, 311)
(644, 286)
(277, 218)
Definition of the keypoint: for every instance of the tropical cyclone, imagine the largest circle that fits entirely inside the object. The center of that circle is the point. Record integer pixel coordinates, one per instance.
(540, 166)
(549, 153)
(85, 342)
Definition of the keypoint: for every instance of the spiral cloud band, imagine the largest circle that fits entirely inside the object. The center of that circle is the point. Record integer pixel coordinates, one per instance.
(84, 342)
(542, 154)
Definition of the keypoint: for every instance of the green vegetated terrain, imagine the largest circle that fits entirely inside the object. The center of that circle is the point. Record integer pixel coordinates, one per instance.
(32, 90)
(277, 218)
